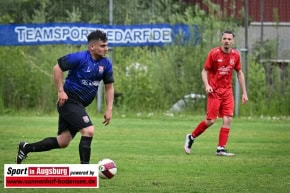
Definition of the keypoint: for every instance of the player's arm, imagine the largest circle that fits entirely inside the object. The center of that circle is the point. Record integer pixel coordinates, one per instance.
(109, 92)
(58, 82)
(242, 83)
(204, 76)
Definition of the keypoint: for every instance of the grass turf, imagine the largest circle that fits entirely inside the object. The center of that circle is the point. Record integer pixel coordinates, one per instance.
(150, 157)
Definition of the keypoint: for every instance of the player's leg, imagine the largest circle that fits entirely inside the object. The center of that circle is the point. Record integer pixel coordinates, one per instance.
(85, 144)
(226, 112)
(66, 114)
(213, 105)
(44, 145)
(61, 141)
(224, 131)
(79, 121)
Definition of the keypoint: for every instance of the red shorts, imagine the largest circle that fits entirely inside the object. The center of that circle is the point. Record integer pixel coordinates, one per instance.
(219, 105)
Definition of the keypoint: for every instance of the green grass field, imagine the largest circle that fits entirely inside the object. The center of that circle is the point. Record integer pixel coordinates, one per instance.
(150, 157)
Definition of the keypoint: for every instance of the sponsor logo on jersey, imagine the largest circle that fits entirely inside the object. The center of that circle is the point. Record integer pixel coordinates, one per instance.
(101, 69)
(86, 119)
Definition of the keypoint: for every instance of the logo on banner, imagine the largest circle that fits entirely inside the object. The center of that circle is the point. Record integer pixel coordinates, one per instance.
(51, 176)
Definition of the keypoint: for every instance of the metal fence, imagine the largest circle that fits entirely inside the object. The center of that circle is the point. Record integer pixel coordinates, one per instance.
(92, 11)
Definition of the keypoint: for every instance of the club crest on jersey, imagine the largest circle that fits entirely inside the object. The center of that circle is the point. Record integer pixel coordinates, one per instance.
(86, 119)
(232, 61)
(101, 69)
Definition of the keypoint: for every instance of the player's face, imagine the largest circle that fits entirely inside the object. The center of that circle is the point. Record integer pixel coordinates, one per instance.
(227, 41)
(99, 49)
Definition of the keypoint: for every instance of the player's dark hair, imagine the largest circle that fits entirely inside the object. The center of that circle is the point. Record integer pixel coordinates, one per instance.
(97, 35)
(228, 32)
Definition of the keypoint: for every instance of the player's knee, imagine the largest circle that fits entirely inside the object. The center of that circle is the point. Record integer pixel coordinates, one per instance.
(227, 120)
(88, 131)
(210, 122)
(63, 144)
(64, 139)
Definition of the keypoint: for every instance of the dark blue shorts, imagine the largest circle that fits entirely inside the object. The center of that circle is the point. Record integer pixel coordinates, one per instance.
(72, 117)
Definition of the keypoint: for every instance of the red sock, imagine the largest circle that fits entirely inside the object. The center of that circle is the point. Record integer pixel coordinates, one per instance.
(223, 137)
(201, 127)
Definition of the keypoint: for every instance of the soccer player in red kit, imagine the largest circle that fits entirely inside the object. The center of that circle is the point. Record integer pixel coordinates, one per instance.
(217, 80)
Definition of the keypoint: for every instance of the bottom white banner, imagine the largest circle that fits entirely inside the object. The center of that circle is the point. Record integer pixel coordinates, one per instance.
(51, 175)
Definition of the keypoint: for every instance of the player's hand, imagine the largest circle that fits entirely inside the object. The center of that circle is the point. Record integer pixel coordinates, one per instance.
(61, 98)
(244, 99)
(208, 89)
(107, 117)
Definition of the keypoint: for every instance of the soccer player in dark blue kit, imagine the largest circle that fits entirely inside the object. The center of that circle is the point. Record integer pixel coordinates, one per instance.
(85, 71)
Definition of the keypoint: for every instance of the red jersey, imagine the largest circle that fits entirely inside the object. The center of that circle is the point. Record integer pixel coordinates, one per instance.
(220, 67)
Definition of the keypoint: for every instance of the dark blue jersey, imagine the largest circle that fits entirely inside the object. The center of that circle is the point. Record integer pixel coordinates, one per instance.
(84, 75)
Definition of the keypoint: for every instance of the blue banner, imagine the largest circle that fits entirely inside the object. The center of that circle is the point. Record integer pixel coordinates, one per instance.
(118, 35)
